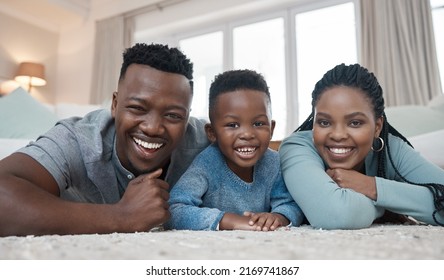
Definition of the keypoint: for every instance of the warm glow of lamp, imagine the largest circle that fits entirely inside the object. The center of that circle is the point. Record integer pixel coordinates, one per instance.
(31, 74)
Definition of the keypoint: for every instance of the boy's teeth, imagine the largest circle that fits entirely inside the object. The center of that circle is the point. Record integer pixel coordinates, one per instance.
(147, 145)
(246, 150)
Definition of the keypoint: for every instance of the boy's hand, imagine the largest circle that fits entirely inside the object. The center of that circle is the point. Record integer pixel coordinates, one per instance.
(266, 221)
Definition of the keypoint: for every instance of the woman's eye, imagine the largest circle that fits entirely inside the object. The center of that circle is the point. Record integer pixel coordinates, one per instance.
(323, 123)
(355, 123)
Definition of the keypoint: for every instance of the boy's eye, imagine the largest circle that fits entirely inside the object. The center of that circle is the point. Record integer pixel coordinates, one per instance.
(232, 125)
(258, 124)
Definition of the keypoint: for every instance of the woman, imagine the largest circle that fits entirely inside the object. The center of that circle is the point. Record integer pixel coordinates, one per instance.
(346, 166)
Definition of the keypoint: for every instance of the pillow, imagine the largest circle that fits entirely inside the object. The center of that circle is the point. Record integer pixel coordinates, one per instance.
(437, 103)
(22, 116)
(413, 120)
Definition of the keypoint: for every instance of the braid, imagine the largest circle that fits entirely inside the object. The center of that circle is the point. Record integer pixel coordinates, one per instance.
(359, 77)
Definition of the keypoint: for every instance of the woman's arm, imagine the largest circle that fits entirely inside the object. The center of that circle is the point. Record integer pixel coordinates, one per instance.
(324, 203)
(405, 198)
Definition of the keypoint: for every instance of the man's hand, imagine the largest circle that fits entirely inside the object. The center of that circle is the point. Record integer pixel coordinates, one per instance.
(144, 204)
(354, 180)
(266, 221)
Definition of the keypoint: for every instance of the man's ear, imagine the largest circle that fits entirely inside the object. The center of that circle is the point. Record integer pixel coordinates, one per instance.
(210, 133)
(114, 104)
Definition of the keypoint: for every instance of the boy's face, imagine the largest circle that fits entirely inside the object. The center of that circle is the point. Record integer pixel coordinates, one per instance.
(242, 127)
(151, 110)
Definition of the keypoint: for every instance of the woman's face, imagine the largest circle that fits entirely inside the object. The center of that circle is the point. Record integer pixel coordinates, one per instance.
(344, 127)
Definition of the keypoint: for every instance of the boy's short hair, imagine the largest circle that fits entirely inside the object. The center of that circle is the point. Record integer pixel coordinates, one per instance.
(233, 80)
(157, 56)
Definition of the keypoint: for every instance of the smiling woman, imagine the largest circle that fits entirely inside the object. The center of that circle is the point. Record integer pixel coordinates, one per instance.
(346, 166)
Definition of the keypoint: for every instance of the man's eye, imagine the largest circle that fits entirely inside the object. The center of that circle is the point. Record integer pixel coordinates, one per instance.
(136, 108)
(174, 116)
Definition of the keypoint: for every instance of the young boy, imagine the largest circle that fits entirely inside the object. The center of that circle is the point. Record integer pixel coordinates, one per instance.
(236, 182)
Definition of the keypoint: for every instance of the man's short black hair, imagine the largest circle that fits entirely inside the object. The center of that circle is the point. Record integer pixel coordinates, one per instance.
(158, 56)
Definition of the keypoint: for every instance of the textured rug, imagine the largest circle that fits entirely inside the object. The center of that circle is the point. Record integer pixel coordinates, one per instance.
(379, 242)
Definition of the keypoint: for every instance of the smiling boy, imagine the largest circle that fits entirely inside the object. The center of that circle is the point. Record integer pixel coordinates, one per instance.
(236, 182)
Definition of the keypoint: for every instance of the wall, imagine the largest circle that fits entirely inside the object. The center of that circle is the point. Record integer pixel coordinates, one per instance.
(20, 42)
(68, 56)
(76, 46)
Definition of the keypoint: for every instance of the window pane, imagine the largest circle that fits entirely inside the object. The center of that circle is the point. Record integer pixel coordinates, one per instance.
(206, 53)
(260, 47)
(324, 38)
(438, 26)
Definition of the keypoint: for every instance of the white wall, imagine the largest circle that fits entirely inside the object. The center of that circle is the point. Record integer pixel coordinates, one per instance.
(68, 54)
(76, 46)
(21, 41)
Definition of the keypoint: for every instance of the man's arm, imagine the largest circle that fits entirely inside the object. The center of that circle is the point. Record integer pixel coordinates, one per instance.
(30, 203)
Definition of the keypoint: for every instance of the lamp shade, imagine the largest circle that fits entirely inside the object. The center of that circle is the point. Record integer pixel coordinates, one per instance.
(31, 73)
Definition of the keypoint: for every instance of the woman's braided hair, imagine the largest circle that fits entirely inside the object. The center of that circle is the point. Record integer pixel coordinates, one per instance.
(359, 77)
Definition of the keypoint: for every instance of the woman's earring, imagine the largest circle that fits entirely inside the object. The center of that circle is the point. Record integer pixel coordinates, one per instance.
(377, 147)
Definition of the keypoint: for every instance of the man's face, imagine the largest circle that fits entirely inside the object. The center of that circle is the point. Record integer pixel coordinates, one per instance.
(151, 110)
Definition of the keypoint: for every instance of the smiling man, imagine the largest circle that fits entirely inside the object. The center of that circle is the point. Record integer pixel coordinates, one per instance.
(109, 171)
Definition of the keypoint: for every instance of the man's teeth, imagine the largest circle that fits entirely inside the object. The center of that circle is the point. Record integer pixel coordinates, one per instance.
(246, 150)
(340, 150)
(147, 145)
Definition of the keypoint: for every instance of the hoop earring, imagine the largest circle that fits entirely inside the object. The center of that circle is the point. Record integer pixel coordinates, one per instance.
(381, 145)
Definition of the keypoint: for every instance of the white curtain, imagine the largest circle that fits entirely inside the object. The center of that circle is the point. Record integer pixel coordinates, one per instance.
(398, 46)
(109, 45)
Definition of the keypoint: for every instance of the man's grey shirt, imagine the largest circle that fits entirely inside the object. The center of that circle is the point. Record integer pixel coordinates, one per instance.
(80, 154)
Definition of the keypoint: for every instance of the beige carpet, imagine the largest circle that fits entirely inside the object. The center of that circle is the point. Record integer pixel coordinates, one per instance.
(377, 242)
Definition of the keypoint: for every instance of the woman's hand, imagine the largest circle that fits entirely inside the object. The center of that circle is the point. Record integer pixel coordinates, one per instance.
(354, 180)
(266, 221)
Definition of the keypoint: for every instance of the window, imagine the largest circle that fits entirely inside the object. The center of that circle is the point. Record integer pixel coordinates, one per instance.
(291, 47)
(324, 38)
(206, 64)
(261, 46)
(438, 26)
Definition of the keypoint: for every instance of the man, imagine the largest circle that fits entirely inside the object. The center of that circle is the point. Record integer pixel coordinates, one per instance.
(109, 171)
